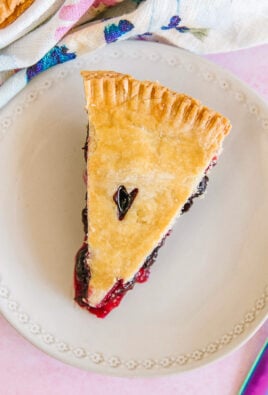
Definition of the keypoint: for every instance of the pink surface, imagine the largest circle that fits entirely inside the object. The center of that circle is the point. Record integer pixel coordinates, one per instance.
(24, 370)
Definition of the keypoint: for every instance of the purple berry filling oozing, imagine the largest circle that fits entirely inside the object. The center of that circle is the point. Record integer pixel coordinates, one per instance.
(123, 200)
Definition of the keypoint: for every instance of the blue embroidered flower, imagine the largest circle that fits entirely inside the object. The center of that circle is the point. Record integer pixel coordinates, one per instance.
(174, 24)
(113, 32)
(174, 21)
(53, 57)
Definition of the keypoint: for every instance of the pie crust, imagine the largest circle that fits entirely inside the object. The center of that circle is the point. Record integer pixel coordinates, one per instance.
(146, 136)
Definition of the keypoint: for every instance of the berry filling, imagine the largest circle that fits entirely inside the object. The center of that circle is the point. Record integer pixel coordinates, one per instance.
(201, 187)
(199, 191)
(115, 295)
(82, 275)
(124, 200)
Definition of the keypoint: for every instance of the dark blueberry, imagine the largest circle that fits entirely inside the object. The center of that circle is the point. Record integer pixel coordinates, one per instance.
(82, 274)
(85, 148)
(84, 219)
(199, 191)
(187, 205)
(202, 186)
(124, 200)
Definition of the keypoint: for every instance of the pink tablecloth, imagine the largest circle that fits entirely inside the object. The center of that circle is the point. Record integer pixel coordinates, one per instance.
(24, 370)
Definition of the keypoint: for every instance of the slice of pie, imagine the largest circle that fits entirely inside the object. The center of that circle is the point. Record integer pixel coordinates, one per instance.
(148, 153)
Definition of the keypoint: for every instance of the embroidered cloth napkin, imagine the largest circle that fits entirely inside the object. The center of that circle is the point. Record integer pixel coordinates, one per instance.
(55, 31)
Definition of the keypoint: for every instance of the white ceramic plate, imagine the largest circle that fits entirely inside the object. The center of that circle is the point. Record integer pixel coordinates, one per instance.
(208, 289)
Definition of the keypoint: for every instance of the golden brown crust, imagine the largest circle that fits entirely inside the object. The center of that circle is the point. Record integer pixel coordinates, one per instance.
(145, 136)
(10, 10)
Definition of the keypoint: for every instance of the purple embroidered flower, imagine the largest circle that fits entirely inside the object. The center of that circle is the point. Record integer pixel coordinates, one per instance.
(174, 23)
(182, 29)
(113, 32)
(55, 56)
(145, 36)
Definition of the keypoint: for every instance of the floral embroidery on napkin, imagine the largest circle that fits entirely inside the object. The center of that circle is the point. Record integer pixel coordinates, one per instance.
(55, 56)
(174, 23)
(113, 32)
